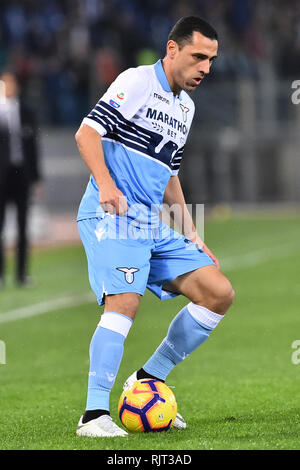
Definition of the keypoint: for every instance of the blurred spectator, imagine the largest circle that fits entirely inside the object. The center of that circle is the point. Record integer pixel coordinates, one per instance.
(62, 43)
(18, 168)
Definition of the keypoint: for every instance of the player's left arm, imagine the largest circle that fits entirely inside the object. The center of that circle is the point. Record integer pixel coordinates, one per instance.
(174, 197)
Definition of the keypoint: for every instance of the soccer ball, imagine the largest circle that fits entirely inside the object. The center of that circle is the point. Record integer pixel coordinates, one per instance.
(149, 405)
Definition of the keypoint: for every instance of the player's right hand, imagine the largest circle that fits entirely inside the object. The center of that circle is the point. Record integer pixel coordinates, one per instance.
(112, 200)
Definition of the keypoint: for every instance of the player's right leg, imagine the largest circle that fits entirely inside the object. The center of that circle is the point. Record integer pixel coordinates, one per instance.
(113, 278)
(106, 351)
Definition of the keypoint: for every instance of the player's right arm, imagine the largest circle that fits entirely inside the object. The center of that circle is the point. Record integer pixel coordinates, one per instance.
(89, 144)
(125, 96)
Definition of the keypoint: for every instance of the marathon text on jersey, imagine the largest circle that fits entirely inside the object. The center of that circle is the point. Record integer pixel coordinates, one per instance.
(164, 117)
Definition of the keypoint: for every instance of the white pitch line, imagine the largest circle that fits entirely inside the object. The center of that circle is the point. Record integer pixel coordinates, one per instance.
(251, 259)
(46, 307)
(257, 257)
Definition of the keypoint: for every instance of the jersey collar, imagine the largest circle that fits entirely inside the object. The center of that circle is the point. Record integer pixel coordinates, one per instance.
(162, 78)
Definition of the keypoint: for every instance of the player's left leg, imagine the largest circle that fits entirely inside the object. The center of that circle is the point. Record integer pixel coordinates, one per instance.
(206, 286)
(179, 267)
(211, 295)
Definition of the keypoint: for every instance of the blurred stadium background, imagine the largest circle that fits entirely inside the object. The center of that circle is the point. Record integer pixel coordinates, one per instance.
(245, 137)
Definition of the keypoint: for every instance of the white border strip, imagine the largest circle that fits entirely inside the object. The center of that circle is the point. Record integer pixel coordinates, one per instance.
(46, 307)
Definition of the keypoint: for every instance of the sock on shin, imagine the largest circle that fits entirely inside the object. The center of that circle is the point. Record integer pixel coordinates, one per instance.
(188, 330)
(106, 352)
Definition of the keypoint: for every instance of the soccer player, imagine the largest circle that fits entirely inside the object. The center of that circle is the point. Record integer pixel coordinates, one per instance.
(132, 142)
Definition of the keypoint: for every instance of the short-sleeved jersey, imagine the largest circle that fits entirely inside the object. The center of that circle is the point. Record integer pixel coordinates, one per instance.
(143, 128)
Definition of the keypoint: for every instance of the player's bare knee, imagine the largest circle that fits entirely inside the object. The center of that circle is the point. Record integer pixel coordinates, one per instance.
(223, 297)
(126, 303)
(219, 299)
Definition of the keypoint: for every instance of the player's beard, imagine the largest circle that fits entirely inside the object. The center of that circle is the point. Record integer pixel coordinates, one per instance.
(187, 84)
(191, 84)
(190, 87)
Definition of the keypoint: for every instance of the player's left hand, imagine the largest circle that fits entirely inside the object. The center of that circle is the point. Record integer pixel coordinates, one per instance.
(211, 255)
(196, 239)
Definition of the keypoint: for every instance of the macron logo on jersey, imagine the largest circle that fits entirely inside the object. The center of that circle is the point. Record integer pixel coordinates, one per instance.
(165, 118)
(161, 98)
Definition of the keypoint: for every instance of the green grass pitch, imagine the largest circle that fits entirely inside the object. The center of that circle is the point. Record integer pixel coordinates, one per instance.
(239, 390)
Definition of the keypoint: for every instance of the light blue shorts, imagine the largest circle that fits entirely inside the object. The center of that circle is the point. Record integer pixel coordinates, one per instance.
(124, 258)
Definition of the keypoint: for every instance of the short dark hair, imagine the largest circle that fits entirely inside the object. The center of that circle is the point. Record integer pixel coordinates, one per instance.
(183, 30)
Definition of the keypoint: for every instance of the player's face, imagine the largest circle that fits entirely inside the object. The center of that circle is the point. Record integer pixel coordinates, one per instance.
(192, 62)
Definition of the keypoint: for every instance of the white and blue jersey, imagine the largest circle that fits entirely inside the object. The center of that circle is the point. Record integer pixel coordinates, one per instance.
(143, 129)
